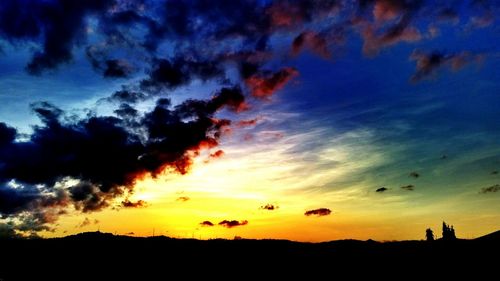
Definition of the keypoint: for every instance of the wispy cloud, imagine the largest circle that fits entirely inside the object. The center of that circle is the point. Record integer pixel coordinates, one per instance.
(490, 189)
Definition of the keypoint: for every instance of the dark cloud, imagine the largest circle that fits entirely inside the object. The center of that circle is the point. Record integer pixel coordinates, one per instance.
(494, 172)
(126, 111)
(232, 223)
(7, 230)
(169, 74)
(409, 187)
(200, 30)
(490, 189)
(206, 223)
(269, 207)
(87, 222)
(104, 154)
(183, 199)
(117, 68)
(137, 204)
(427, 64)
(381, 189)
(127, 96)
(264, 84)
(414, 174)
(109, 67)
(57, 26)
(318, 212)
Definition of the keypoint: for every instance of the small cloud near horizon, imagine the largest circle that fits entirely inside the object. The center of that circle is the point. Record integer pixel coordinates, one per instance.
(409, 187)
(490, 189)
(318, 212)
(232, 223)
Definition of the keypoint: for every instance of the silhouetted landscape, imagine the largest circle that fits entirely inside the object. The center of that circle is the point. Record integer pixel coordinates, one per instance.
(94, 255)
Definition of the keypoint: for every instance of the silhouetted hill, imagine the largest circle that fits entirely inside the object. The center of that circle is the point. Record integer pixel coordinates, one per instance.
(494, 236)
(104, 256)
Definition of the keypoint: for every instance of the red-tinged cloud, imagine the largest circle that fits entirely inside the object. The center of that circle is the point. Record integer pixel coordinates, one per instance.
(318, 212)
(183, 199)
(374, 40)
(137, 204)
(264, 85)
(288, 14)
(206, 223)
(428, 64)
(313, 41)
(386, 10)
(232, 223)
(218, 154)
(269, 207)
(247, 123)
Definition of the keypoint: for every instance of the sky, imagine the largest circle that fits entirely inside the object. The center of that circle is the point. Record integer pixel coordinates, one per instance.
(301, 120)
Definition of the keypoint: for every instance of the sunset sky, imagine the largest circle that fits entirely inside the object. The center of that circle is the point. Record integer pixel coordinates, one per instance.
(302, 120)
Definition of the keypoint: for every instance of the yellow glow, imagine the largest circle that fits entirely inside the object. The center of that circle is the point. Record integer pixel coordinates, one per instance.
(236, 185)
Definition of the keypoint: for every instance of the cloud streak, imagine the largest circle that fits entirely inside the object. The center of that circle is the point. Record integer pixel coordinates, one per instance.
(232, 223)
(318, 212)
(491, 189)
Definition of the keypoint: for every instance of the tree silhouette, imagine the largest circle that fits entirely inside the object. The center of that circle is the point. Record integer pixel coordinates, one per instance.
(429, 234)
(448, 232)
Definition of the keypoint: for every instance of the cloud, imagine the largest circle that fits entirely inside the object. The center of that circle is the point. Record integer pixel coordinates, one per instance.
(218, 154)
(318, 212)
(427, 64)
(414, 174)
(381, 189)
(247, 123)
(392, 24)
(264, 85)
(87, 222)
(56, 25)
(201, 31)
(169, 74)
(117, 68)
(137, 204)
(311, 40)
(409, 187)
(183, 199)
(206, 223)
(373, 41)
(105, 155)
(232, 223)
(8, 231)
(127, 96)
(490, 189)
(269, 207)
(287, 14)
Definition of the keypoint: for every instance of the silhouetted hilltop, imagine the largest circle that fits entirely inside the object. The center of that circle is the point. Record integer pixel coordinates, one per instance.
(494, 236)
(116, 257)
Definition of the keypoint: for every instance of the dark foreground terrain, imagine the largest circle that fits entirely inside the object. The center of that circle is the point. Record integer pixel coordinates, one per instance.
(102, 256)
